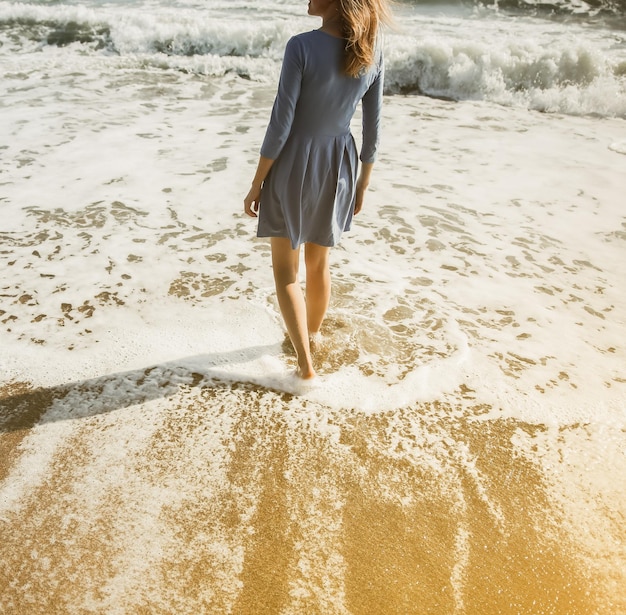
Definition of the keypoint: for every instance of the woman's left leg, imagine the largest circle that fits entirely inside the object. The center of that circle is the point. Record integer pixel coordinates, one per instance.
(285, 263)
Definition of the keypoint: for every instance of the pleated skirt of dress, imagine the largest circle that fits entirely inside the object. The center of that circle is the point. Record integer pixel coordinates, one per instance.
(309, 193)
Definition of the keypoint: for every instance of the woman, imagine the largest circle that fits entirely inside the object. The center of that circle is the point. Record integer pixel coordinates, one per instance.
(305, 189)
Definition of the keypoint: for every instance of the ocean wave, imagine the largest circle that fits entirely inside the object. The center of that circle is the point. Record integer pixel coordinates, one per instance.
(171, 32)
(573, 80)
(572, 7)
(570, 75)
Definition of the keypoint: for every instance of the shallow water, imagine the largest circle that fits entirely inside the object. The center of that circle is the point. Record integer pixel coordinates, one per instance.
(463, 451)
(463, 448)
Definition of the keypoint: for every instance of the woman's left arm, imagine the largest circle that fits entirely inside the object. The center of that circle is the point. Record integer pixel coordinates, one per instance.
(251, 202)
(279, 127)
(284, 108)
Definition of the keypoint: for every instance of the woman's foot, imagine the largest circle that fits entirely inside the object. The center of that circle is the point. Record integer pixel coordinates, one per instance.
(305, 372)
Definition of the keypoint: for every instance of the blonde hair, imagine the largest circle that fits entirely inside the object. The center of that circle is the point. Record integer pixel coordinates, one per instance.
(360, 21)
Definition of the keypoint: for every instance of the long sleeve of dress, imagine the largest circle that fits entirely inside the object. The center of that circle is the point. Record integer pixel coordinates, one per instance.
(372, 103)
(286, 100)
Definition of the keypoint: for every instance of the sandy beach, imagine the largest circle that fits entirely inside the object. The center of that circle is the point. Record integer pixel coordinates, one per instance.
(274, 509)
(463, 450)
(147, 472)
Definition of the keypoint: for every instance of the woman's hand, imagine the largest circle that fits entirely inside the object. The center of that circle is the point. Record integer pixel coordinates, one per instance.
(361, 185)
(251, 202)
(360, 196)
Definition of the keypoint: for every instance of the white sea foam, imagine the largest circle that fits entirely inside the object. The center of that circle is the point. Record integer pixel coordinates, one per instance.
(473, 356)
(566, 68)
(618, 146)
(456, 277)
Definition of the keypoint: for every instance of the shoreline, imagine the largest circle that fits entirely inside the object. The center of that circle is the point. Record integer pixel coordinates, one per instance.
(465, 453)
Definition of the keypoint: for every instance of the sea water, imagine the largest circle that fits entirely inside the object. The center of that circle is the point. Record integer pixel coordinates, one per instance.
(462, 450)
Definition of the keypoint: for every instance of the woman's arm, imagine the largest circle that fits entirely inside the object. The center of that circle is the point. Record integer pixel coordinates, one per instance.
(284, 108)
(251, 202)
(361, 185)
(280, 123)
(371, 104)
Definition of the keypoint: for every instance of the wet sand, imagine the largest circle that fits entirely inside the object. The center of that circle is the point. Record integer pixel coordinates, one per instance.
(466, 452)
(266, 506)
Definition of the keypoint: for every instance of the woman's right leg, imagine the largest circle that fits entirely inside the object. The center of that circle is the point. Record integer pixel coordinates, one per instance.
(317, 285)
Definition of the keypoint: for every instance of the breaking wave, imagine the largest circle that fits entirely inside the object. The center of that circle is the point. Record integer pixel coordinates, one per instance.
(572, 75)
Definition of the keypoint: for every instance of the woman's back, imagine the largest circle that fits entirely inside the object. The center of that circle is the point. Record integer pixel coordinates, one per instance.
(315, 96)
(329, 97)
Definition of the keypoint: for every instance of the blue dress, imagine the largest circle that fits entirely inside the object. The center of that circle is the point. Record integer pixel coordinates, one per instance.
(309, 193)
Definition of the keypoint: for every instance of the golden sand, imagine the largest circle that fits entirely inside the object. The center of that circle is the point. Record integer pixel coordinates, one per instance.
(266, 508)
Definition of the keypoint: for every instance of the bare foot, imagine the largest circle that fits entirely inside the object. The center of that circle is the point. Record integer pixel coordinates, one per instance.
(306, 373)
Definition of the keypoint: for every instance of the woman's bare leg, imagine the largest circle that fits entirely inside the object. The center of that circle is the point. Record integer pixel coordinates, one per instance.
(317, 285)
(285, 263)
